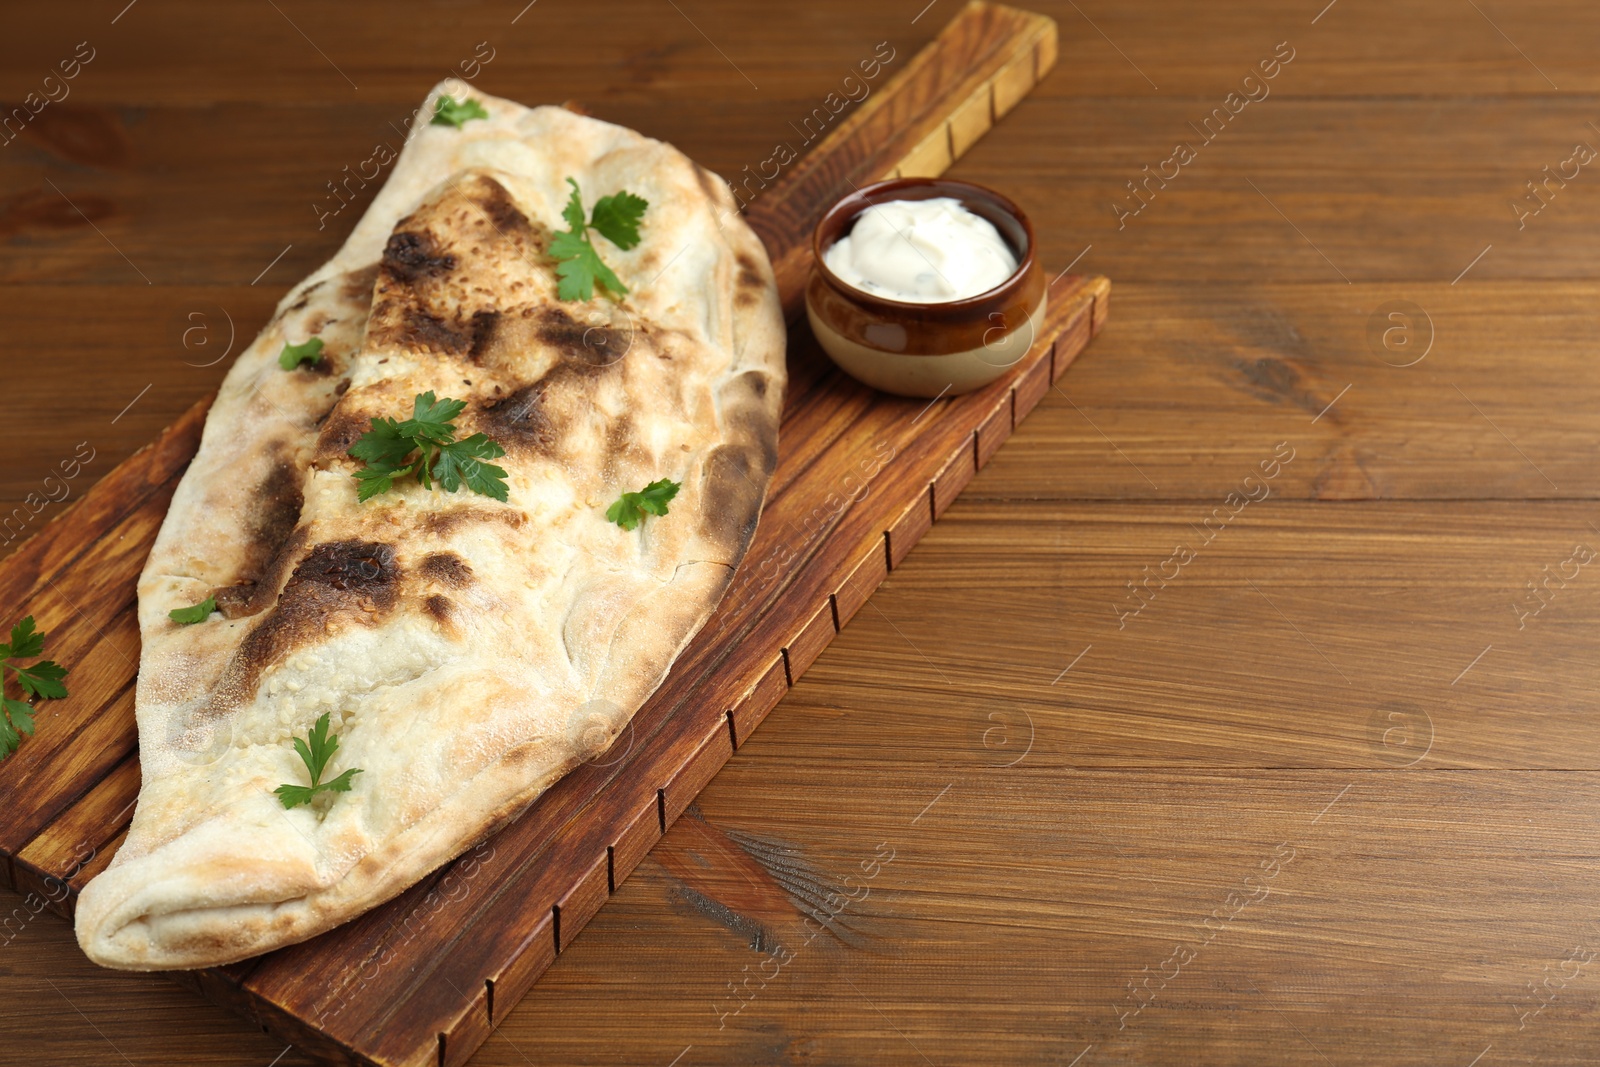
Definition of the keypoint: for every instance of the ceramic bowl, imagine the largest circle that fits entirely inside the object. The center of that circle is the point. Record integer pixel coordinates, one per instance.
(927, 349)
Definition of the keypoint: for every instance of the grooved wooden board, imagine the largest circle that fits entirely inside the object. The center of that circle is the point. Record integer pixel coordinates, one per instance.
(861, 477)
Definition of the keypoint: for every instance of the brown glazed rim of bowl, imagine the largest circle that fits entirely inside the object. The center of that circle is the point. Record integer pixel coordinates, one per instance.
(843, 213)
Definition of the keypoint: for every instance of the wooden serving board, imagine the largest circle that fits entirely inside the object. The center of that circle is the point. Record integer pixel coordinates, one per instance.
(861, 476)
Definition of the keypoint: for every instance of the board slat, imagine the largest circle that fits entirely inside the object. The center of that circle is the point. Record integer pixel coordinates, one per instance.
(76, 845)
(861, 475)
(764, 693)
(807, 644)
(154, 468)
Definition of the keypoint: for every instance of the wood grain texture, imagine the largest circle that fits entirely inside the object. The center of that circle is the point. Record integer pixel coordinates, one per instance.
(1204, 382)
(1027, 906)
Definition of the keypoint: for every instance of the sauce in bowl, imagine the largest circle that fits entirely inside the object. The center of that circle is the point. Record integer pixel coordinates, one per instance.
(922, 252)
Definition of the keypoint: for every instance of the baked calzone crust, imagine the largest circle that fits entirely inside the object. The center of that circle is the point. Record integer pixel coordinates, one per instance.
(466, 650)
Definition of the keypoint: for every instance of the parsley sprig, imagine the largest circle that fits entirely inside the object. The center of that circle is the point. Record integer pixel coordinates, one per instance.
(448, 111)
(578, 264)
(195, 613)
(630, 509)
(315, 751)
(430, 434)
(304, 352)
(42, 680)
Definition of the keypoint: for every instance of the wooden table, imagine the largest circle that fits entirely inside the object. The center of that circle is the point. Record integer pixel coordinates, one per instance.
(1321, 789)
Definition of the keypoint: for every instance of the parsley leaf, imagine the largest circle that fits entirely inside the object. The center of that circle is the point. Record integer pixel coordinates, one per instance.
(630, 509)
(383, 444)
(42, 680)
(373, 481)
(388, 447)
(26, 641)
(198, 613)
(573, 212)
(578, 263)
(458, 462)
(304, 352)
(579, 266)
(315, 752)
(433, 419)
(617, 218)
(16, 721)
(447, 111)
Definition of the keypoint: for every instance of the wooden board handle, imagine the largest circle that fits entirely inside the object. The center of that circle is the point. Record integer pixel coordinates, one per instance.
(923, 119)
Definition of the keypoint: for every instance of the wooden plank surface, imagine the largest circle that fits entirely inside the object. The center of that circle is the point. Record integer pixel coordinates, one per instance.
(1420, 910)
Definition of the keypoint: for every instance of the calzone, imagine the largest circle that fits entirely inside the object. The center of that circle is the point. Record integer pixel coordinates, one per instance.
(463, 648)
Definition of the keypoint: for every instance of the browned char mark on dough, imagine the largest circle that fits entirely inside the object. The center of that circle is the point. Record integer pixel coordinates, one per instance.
(358, 284)
(422, 329)
(518, 419)
(438, 608)
(330, 361)
(736, 473)
(413, 262)
(731, 498)
(411, 257)
(274, 514)
(339, 390)
(342, 429)
(484, 324)
(750, 284)
(594, 346)
(622, 437)
(496, 203)
(337, 572)
(748, 421)
(305, 297)
(251, 597)
(446, 568)
(416, 263)
(338, 582)
(445, 523)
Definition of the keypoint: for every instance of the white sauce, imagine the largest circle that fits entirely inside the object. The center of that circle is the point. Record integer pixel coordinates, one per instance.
(922, 252)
